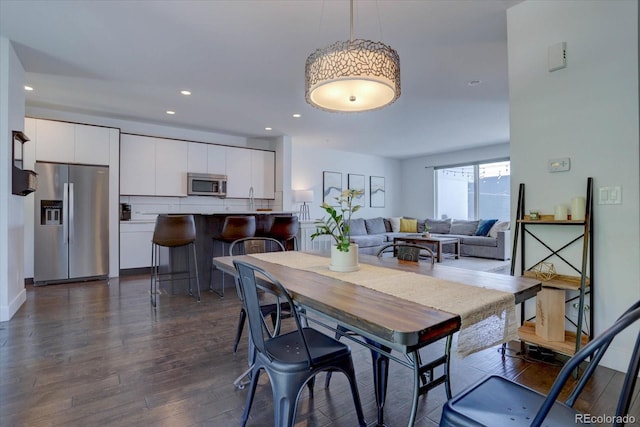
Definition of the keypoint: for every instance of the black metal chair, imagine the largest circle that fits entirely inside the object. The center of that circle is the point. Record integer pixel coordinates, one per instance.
(497, 401)
(291, 359)
(253, 245)
(380, 362)
(233, 228)
(173, 231)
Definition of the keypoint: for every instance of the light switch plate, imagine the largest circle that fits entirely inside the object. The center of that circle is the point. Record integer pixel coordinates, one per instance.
(610, 195)
(559, 165)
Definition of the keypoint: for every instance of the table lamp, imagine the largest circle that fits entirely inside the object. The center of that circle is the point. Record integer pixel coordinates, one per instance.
(304, 197)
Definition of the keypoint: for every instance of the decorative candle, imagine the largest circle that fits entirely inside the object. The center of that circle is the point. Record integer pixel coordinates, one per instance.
(560, 213)
(577, 208)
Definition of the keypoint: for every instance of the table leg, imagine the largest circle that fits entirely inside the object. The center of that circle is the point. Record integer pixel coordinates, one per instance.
(439, 251)
(414, 357)
(457, 246)
(380, 364)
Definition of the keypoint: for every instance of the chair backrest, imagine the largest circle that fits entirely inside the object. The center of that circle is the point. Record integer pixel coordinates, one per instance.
(407, 251)
(255, 245)
(260, 332)
(237, 227)
(596, 350)
(284, 227)
(174, 230)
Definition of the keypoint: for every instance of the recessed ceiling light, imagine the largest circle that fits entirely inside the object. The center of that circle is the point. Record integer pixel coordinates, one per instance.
(474, 82)
(171, 113)
(28, 88)
(268, 128)
(185, 92)
(296, 115)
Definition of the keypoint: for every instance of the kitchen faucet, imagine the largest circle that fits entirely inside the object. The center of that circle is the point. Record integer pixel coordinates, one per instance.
(252, 203)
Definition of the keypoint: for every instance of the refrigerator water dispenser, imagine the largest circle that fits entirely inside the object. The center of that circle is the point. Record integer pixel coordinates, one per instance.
(51, 212)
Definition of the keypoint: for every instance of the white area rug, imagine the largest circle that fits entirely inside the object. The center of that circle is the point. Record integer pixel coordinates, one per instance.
(478, 264)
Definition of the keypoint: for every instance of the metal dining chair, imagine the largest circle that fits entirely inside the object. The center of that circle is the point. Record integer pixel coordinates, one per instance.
(497, 401)
(380, 362)
(253, 245)
(290, 359)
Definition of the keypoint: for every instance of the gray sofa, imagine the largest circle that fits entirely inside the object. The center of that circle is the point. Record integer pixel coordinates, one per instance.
(477, 238)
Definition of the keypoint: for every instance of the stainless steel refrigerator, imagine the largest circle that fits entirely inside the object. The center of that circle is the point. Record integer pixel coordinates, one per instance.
(71, 223)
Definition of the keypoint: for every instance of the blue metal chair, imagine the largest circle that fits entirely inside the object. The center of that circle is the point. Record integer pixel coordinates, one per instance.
(497, 401)
(291, 359)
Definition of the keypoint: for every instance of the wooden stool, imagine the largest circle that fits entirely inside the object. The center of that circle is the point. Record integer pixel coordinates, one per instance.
(234, 228)
(173, 231)
(285, 229)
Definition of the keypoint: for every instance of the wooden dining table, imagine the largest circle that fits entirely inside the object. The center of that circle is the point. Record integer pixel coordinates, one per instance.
(387, 322)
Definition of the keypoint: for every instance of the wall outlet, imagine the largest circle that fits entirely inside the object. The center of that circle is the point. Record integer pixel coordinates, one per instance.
(559, 165)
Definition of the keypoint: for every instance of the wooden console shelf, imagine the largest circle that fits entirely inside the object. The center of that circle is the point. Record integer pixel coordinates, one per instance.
(527, 333)
(570, 283)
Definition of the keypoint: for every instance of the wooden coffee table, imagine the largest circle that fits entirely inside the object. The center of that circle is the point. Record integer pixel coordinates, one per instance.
(437, 242)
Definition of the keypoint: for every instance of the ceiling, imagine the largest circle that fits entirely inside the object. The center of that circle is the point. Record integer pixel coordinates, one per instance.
(244, 62)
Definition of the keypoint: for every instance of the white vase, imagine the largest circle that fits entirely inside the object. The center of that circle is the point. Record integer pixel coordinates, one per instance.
(344, 261)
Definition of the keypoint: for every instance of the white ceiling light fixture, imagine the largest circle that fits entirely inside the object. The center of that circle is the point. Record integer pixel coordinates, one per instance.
(352, 76)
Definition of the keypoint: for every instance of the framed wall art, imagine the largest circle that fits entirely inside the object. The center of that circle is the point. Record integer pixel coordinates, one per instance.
(376, 191)
(331, 187)
(356, 182)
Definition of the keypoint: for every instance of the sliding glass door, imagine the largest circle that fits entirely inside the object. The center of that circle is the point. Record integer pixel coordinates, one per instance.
(474, 191)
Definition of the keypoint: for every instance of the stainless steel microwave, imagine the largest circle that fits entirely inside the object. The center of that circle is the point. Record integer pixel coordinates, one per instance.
(203, 184)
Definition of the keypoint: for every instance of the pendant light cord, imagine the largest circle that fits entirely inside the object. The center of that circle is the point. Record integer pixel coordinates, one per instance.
(351, 25)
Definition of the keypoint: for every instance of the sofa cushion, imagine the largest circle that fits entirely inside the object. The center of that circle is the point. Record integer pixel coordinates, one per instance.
(357, 227)
(408, 225)
(498, 226)
(368, 241)
(484, 226)
(478, 241)
(375, 225)
(463, 227)
(395, 224)
(420, 224)
(439, 226)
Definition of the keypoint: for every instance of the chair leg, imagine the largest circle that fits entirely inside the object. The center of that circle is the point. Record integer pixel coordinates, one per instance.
(154, 278)
(351, 376)
(252, 391)
(195, 266)
(241, 320)
(337, 336)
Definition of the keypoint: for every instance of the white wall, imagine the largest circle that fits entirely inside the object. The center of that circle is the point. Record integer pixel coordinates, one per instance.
(12, 290)
(308, 163)
(588, 112)
(418, 181)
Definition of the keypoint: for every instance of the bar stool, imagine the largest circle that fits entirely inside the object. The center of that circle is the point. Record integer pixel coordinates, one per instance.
(173, 231)
(285, 229)
(234, 228)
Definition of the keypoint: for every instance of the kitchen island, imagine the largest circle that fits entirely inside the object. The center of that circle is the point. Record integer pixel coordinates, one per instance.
(208, 227)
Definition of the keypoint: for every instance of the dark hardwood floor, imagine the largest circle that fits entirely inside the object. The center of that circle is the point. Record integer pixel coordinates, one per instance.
(97, 354)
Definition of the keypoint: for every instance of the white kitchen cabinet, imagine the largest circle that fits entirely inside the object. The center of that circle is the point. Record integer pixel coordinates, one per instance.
(216, 159)
(248, 168)
(238, 167)
(55, 141)
(92, 145)
(71, 143)
(263, 174)
(137, 165)
(197, 160)
(171, 167)
(153, 166)
(135, 244)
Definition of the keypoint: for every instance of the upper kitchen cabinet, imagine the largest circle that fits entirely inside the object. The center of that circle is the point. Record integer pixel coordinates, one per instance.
(72, 143)
(171, 167)
(153, 166)
(206, 158)
(248, 169)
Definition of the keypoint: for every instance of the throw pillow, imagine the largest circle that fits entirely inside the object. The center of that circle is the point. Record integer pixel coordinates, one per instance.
(498, 226)
(408, 225)
(395, 224)
(463, 227)
(421, 224)
(439, 226)
(387, 225)
(484, 226)
(375, 225)
(357, 227)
